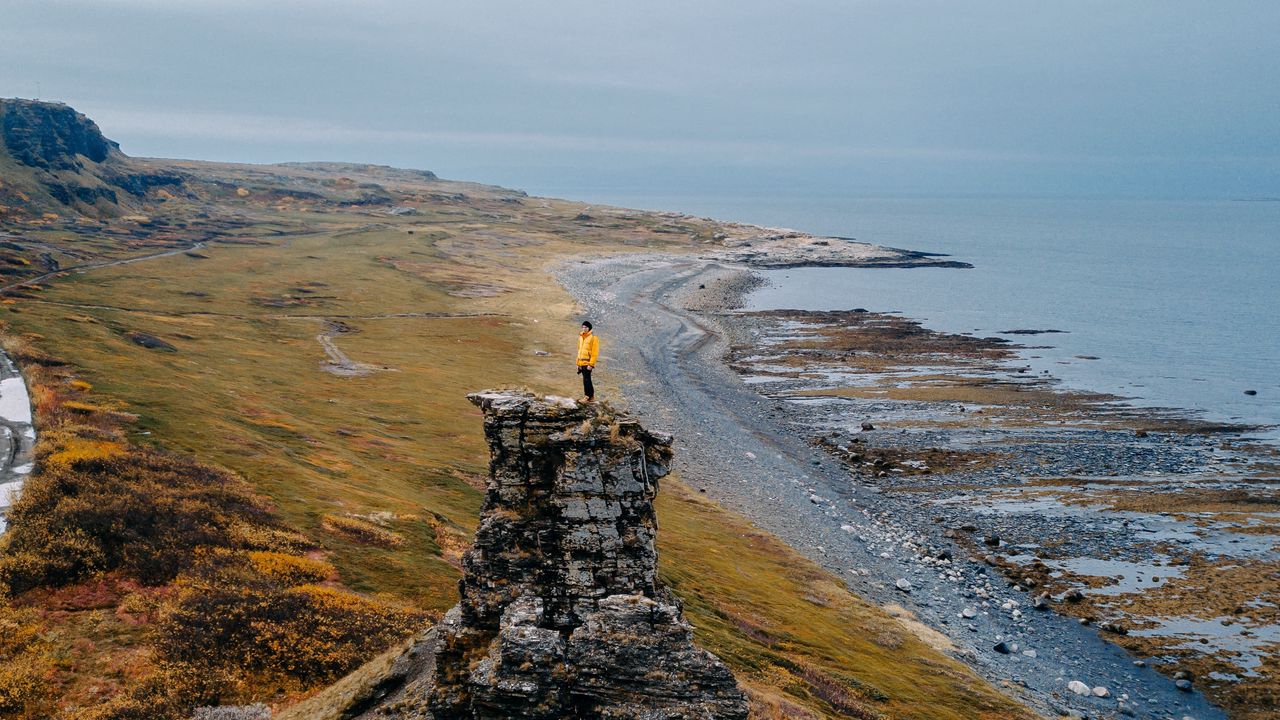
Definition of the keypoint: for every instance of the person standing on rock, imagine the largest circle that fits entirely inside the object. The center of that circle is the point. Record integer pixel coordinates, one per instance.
(588, 353)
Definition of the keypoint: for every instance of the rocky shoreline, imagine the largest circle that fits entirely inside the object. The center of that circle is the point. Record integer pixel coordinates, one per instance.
(902, 518)
(1122, 519)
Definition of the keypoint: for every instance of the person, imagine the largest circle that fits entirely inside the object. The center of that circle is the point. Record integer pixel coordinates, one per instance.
(588, 353)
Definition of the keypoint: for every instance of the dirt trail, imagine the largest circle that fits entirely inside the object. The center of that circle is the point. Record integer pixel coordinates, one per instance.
(668, 363)
(338, 362)
(99, 265)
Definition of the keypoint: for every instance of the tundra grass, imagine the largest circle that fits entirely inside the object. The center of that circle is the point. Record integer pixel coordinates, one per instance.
(428, 308)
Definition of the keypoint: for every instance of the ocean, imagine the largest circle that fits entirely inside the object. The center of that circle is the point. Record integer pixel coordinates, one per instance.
(1171, 304)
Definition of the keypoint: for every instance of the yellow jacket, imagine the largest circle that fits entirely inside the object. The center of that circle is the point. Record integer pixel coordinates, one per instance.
(588, 349)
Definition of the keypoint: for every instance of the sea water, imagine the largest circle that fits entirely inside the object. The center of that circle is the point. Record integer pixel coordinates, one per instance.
(1179, 301)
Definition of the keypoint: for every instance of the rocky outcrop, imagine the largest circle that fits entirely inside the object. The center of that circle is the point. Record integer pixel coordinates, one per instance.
(60, 160)
(561, 612)
(51, 136)
(776, 248)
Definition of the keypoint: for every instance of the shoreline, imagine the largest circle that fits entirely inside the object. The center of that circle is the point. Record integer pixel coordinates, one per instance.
(1125, 517)
(869, 537)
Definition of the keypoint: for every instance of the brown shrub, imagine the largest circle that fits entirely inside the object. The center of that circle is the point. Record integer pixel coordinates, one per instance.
(169, 693)
(227, 614)
(290, 570)
(25, 665)
(274, 539)
(842, 695)
(142, 512)
(23, 686)
(361, 530)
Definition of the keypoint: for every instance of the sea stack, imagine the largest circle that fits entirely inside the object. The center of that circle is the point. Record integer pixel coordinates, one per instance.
(561, 613)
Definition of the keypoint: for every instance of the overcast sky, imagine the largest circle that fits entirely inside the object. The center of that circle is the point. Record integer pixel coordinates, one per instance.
(895, 97)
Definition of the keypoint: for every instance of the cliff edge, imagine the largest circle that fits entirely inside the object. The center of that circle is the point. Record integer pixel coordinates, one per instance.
(54, 159)
(561, 612)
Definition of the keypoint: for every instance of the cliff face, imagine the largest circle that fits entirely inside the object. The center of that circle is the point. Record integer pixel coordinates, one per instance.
(562, 614)
(51, 136)
(58, 160)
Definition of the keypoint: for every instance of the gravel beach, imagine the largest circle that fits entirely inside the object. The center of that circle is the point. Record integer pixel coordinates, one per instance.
(670, 327)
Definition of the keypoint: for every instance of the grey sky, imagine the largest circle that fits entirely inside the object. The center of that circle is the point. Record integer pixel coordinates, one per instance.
(1161, 98)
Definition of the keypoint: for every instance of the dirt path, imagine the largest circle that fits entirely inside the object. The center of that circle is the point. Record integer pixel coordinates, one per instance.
(337, 362)
(730, 444)
(99, 265)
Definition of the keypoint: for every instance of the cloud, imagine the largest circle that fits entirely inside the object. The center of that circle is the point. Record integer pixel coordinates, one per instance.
(926, 92)
(250, 129)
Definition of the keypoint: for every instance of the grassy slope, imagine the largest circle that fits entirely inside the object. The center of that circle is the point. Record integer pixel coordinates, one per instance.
(245, 390)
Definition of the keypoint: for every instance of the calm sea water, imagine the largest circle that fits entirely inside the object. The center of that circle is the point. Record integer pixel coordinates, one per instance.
(1178, 300)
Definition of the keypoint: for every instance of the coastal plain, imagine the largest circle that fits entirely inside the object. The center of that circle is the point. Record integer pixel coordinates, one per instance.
(313, 331)
(257, 472)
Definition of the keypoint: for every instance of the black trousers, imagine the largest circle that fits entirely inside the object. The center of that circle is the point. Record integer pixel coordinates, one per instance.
(587, 388)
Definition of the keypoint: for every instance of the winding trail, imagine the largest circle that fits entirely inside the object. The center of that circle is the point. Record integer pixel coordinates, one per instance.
(104, 264)
(730, 446)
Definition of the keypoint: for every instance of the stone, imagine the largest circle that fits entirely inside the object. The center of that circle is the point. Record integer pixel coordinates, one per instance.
(1079, 688)
(561, 612)
(70, 162)
(992, 540)
(1114, 628)
(257, 711)
(1001, 647)
(866, 426)
(1183, 685)
(151, 342)
(1101, 692)
(51, 136)
(903, 584)
(969, 613)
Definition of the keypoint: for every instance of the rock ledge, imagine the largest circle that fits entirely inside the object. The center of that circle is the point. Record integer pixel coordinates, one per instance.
(561, 613)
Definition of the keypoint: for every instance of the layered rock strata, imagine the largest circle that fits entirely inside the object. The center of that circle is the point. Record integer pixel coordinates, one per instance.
(561, 612)
(56, 159)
